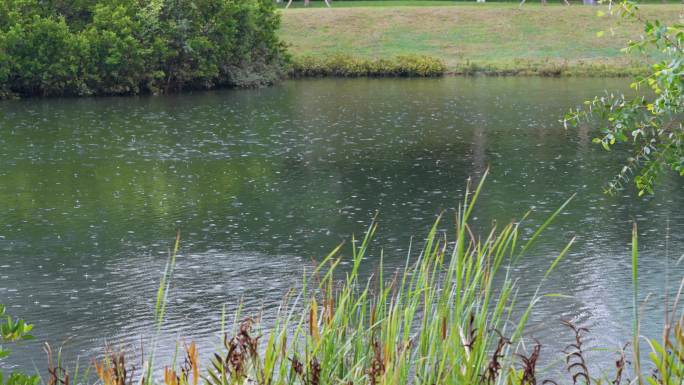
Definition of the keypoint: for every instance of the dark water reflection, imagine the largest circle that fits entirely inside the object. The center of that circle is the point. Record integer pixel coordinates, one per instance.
(260, 182)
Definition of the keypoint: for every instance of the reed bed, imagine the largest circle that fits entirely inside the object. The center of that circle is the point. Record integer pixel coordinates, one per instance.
(441, 319)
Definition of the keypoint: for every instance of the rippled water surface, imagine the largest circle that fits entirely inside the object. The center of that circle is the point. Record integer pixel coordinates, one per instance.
(260, 182)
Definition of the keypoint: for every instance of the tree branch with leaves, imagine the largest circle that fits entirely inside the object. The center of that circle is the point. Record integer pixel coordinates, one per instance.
(652, 121)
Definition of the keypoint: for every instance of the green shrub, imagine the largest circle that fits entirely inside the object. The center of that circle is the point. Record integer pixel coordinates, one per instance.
(547, 68)
(17, 378)
(114, 60)
(127, 47)
(44, 57)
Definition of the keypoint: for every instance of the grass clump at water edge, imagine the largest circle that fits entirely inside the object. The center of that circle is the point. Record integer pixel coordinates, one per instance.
(433, 322)
(352, 66)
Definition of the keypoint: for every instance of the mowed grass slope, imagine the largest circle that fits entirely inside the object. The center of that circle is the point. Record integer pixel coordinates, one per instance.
(498, 36)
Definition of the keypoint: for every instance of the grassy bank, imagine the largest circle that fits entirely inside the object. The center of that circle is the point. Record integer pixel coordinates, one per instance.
(498, 38)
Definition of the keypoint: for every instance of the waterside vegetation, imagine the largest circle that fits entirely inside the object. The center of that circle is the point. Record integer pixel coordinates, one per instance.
(445, 318)
(349, 66)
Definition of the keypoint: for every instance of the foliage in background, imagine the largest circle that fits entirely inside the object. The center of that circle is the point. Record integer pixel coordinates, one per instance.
(652, 123)
(95, 47)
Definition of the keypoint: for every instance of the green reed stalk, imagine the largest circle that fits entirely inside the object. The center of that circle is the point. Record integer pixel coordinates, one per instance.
(434, 321)
(160, 306)
(635, 300)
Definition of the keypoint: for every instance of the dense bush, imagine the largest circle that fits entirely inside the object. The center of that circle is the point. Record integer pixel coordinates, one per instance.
(86, 47)
(350, 66)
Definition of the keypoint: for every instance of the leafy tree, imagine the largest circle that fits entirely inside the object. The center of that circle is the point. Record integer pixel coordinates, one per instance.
(43, 57)
(115, 57)
(651, 122)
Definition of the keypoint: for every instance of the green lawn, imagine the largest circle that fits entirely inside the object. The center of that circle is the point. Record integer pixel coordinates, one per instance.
(421, 3)
(498, 36)
(376, 3)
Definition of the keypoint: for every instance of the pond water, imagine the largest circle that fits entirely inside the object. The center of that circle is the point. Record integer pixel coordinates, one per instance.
(260, 182)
